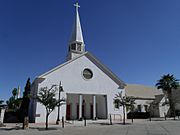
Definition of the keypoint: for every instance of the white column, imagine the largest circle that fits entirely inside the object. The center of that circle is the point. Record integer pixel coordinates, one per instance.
(80, 106)
(2, 111)
(94, 107)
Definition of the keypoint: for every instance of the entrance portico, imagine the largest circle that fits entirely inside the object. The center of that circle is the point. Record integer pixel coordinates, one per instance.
(86, 106)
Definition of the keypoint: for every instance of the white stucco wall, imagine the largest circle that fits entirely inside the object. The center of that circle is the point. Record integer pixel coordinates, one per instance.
(73, 82)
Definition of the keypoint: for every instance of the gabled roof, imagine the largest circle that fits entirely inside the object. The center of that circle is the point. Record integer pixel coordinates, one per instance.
(93, 59)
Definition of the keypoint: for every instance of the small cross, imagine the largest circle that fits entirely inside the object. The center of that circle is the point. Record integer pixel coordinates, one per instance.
(77, 6)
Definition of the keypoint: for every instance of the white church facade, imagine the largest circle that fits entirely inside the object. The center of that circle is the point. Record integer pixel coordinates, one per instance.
(89, 87)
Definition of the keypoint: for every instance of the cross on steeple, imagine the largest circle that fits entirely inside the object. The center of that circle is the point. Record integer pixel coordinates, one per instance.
(77, 6)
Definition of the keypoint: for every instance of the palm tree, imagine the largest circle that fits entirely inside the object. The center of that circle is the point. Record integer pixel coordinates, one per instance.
(168, 83)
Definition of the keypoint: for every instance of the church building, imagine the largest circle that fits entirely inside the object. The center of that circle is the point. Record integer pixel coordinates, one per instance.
(89, 87)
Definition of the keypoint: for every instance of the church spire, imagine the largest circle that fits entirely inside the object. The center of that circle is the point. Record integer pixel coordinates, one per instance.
(77, 31)
(76, 43)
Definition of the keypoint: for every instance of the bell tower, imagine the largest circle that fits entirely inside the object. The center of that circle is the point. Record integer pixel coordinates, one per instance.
(76, 43)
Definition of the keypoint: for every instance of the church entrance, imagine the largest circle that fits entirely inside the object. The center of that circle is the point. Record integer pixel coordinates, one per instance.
(86, 106)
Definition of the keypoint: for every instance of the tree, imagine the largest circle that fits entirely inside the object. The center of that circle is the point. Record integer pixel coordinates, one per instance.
(15, 93)
(168, 83)
(10, 103)
(13, 102)
(47, 98)
(24, 109)
(124, 101)
(1, 102)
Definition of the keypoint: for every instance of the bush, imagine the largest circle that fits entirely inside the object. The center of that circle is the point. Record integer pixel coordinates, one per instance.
(177, 112)
(138, 115)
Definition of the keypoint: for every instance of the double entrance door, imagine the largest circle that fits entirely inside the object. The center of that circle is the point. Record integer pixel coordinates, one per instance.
(88, 113)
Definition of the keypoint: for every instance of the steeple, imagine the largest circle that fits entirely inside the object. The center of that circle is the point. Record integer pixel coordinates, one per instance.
(76, 43)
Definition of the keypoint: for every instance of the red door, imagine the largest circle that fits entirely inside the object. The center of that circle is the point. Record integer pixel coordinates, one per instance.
(83, 110)
(77, 111)
(91, 110)
(68, 112)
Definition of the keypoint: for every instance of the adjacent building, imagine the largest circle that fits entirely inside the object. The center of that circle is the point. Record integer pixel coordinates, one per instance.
(144, 96)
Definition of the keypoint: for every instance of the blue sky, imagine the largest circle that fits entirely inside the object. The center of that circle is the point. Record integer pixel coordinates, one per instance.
(139, 40)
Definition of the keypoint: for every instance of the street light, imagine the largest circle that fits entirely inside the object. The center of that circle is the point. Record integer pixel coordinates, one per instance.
(59, 98)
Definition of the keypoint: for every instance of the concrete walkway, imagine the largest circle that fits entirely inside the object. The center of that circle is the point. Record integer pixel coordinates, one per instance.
(140, 127)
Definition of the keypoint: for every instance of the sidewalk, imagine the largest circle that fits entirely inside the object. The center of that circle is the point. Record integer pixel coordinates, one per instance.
(99, 127)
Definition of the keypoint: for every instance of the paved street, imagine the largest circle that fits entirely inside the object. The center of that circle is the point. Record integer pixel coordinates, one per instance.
(142, 127)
